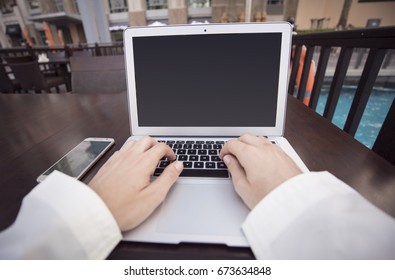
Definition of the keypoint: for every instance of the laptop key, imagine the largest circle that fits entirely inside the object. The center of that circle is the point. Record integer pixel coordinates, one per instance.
(204, 158)
(215, 173)
(215, 158)
(182, 158)
(219, 173)
(187, 172)
(198, 164)
(164, 163)
(193, 158)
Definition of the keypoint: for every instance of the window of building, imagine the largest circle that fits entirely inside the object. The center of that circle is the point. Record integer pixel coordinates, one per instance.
(7, 7)
(275, 7)
(199, 3)
(34, 4)
(76, 6)
(118, 6)
(43, 38)
(59, 5)
(275, 2)
(156, 4)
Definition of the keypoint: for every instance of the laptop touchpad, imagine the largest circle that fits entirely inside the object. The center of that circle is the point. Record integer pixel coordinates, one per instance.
(203, 209)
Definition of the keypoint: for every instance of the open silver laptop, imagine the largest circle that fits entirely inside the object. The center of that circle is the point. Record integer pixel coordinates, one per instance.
(194, 87)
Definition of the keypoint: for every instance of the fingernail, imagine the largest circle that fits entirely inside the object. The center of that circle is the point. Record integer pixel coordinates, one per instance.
(226, 159)
(179, 166)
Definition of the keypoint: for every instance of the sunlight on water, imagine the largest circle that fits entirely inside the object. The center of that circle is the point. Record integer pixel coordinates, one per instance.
(376, 110)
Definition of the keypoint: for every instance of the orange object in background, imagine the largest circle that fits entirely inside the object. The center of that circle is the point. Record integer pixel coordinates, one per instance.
(27, 37)
(310, 80)
(60, 36)
(48, 35)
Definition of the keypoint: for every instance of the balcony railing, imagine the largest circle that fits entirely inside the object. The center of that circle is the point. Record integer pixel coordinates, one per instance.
(93, 49)
(380, 45)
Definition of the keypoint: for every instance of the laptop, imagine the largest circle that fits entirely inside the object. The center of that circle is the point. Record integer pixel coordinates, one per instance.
(195, 87)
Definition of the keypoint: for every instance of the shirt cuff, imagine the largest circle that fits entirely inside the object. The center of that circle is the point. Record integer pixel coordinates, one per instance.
(283, 205)
(83, 213)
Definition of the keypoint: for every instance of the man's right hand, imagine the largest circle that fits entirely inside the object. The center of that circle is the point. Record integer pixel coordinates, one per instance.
(257, 167)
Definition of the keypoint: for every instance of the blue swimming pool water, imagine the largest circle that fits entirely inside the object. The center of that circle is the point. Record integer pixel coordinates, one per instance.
(373, 117)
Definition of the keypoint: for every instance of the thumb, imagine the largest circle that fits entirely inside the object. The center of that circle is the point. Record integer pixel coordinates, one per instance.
(163, 183)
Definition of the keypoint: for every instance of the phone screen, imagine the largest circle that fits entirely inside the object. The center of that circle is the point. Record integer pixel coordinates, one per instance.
(78, 159)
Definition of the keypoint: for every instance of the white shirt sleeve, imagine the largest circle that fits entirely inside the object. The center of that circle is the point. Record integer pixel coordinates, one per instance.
(316, 216)
(61, 218)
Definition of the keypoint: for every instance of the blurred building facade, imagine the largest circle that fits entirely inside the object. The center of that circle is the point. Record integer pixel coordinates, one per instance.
(102, 21)
(321, 14)
(27, 21)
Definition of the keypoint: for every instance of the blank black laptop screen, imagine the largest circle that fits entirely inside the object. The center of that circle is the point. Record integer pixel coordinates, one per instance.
(207, 80)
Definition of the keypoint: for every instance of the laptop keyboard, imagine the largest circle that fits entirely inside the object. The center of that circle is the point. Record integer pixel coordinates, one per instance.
(200, 158)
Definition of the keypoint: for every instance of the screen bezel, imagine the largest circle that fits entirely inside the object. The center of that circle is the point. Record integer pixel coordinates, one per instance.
(277, 130)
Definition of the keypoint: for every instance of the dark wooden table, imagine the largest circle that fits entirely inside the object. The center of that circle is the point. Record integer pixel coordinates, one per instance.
(36, 130)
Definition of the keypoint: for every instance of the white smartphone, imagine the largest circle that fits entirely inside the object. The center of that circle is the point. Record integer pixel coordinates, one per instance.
(82, 157)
